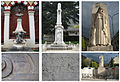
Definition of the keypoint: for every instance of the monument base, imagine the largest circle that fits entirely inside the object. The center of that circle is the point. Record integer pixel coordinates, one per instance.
(101, 72)
(59, 47)
(19, 47)
(100, 48)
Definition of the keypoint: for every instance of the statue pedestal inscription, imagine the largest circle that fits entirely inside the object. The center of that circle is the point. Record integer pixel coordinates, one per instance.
(59, 43)
(99, 29)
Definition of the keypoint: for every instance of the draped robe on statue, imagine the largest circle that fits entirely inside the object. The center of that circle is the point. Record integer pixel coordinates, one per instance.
(100, 34)
(99, 30)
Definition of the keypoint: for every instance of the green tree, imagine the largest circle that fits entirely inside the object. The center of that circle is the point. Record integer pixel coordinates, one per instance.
(87, 62)
(76, 26)
(83, 44)
(94, 64)
(111, 62)
(70, 10)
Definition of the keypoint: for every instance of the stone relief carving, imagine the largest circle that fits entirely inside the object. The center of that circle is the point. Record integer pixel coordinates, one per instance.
(20, 66)
(7, 66)
(99, 30)
(100, 33)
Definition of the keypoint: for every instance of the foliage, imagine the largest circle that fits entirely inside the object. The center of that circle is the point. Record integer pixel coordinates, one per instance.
(43, 41)
(72, 42)
(83, 44)
(111, 62)
(86, 62)
(70, 10)
(94, 64)
(76, 26)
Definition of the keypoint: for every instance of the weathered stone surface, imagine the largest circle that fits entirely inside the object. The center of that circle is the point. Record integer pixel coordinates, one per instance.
(100, 48)
(101, 61)
(20, 67)
(60, 67)
(101, 69)
(21, 48)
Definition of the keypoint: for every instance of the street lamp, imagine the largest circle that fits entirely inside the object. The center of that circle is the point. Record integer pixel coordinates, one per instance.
(111, 16)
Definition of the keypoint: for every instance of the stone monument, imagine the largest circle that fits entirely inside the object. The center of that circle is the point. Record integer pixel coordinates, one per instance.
(59, 43)
(20, 67)
(101, 69)
(99, 30)
(19, 43)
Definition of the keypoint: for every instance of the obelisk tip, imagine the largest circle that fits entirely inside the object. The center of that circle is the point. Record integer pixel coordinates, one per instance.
(59, 5)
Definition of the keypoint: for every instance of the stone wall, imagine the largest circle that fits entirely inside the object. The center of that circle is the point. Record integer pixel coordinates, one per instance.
(59, 67)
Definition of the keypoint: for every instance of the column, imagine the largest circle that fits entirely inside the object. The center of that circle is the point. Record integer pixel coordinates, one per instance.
(59, 14)
(32, 26)
(6, 26)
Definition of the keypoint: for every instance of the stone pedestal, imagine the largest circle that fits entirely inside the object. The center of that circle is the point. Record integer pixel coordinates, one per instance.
(59, 43)
(101, 71)
(100, 48)
(19, 47)
(59, 35)
(59, 47)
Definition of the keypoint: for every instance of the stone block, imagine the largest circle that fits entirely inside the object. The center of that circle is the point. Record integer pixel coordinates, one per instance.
(100, 48)
(101, 71)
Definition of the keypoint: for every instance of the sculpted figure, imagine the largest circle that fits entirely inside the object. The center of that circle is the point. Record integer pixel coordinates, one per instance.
(99, 32)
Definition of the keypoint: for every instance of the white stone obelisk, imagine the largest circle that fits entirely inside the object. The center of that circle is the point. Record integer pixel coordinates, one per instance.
(59, 14)
(59, 28)
(101, 69)
(101, 61)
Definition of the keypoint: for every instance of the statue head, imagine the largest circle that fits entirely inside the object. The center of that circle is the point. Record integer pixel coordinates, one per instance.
(100, 10)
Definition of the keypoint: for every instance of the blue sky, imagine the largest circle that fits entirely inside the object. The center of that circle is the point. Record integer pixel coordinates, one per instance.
(113, 8)
(95, 56)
